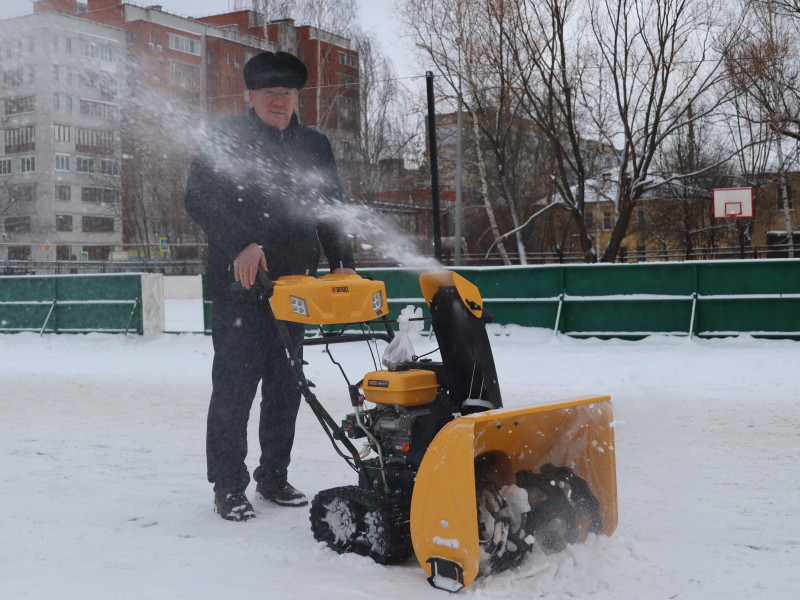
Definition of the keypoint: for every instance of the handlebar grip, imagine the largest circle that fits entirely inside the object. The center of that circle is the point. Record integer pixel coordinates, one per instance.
(265, 282)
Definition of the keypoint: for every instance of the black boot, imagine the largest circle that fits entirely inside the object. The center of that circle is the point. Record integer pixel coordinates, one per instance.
(233, 507)
(281, 492)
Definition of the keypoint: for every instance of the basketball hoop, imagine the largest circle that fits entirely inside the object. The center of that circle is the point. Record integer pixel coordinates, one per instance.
(733, 203)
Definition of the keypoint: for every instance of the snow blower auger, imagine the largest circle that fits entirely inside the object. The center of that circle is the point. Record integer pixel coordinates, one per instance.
(445, 471)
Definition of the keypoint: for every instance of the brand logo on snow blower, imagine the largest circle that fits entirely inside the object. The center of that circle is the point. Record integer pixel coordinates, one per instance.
(340, 289)
(378, 383)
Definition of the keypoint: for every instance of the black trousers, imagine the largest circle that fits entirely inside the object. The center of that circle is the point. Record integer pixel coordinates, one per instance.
(248, 349)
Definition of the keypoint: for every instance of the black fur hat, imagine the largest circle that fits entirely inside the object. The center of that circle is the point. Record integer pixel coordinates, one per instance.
(275, 69)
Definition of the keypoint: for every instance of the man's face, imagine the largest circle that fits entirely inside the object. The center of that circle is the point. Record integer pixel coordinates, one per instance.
(274, 105)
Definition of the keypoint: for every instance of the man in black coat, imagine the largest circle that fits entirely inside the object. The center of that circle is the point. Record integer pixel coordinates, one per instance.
(265, 189)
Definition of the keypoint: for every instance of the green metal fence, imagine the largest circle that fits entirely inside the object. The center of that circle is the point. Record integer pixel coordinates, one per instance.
(118, 303)
(704, 298)
(708, 298)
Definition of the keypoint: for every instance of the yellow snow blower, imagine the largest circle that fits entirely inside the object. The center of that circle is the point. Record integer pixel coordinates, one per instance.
(445, 471)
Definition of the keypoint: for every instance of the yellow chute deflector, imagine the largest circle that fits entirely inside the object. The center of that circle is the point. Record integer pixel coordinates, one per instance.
(575, 433)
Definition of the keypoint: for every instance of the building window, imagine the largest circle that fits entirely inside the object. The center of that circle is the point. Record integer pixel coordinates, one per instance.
(61, 133)
(588, 220)
(13, 78)
(641, 220)
(95, 141)
(20, 106)
(97, 252)
(779, 197)
(210, 57)
(87, 79)
(90, 50)
(108, 90)
(63, 192)
(348, 81)
(62, 162)
(109, 167)
(62, 252)
(348, 60)
(348, 106)
(22, 193)
(62, 103)
(19, 253)
(21, 139)
(101, 110)
(607, 220)
(99, 195)
(27, 164)
(5, 166)
(18, 224)
(84, 164)
(97, 224)
(185, 75)
(184, 44)
(63, 222)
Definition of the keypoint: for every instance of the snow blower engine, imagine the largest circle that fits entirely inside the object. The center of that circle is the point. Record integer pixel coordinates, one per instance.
(445, 472)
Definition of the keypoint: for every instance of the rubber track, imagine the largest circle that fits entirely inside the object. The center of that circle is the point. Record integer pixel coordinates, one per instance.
(392, 514)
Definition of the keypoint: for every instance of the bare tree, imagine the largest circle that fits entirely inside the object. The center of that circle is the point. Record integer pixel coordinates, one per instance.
(765, 75)
(618, 72)
(153, 174)
(386, 131)
(685, 204)
(462, 38)
(764, 66)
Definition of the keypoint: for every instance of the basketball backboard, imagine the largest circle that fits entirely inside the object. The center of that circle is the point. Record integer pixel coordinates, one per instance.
(733, 203)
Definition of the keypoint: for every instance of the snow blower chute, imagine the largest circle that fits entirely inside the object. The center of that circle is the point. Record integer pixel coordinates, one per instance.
(445, 471)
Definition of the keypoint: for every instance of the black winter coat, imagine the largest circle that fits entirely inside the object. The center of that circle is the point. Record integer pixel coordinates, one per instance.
(250, 182)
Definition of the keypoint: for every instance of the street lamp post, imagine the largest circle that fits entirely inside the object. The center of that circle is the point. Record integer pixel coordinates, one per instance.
(458, 200)
(437, 233)
(459, 216)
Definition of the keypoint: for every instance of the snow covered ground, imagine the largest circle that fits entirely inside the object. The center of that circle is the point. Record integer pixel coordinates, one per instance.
(102, 473)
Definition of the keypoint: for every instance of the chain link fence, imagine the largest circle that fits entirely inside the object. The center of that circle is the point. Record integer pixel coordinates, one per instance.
(194, 266)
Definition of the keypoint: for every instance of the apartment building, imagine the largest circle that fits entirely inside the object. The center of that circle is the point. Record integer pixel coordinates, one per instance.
(62, 81)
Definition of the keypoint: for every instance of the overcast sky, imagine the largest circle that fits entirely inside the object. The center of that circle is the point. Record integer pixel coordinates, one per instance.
(376, 17)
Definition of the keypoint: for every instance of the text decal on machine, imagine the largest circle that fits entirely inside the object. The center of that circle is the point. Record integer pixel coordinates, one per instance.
(378, 383)
(340, 289)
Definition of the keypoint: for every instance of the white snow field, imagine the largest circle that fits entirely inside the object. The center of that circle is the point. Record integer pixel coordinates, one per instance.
(104, 496)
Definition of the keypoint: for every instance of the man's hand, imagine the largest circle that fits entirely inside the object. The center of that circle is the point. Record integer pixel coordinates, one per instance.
(245, 265)
(346, 271)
